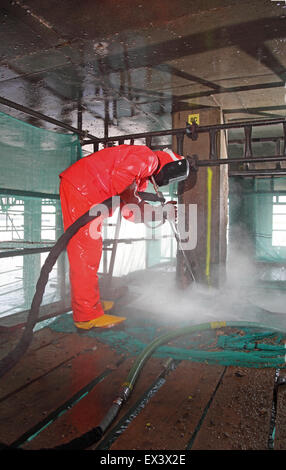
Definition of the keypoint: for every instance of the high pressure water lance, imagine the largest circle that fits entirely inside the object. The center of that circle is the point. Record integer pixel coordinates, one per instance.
(174, 229)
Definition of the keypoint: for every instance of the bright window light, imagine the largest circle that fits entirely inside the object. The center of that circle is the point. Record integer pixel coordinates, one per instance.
(48, 225)
(279, 221)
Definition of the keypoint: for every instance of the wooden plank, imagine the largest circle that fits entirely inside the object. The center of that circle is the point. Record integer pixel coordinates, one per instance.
(18, 320)
(149, 376)
(89, 411)
(280, 434)
(7, 336)
(9, 339)
(85, 360)
(47, 352)
(239, 416)
(173, 413)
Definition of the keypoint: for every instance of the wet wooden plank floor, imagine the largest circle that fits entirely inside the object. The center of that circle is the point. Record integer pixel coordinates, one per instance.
(65, 383)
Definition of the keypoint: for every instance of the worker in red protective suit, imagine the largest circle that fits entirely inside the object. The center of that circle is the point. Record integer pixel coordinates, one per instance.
(114, 171)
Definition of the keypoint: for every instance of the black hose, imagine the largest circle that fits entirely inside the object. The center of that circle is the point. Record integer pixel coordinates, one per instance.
(95, 434)
(15, 355)
(6, 363)
(87, 439)
(82, 442)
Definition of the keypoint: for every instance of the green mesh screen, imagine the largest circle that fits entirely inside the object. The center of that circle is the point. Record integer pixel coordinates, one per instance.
(258, 207)
(31, 160)
(246, 347)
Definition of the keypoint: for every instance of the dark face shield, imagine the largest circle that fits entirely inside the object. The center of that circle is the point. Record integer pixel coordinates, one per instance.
(172, 172)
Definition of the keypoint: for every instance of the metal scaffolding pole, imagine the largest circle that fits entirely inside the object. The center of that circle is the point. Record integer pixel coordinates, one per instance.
(37, 114)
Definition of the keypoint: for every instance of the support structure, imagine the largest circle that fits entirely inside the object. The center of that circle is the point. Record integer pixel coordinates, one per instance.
(208, 190)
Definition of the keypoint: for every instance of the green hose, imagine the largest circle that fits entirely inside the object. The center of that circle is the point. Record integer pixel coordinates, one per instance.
(95, 434)
(145, 354)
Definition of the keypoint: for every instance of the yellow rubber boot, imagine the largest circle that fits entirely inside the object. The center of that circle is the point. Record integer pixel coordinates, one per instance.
(107, 305)
(105, 321)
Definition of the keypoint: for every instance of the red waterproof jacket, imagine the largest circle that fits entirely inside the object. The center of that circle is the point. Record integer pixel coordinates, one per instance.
(110, 171)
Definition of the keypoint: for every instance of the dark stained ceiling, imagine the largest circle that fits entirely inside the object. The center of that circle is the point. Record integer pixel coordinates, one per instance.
(129, 63)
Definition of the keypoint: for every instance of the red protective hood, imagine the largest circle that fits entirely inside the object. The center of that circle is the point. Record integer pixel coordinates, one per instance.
(166, 156)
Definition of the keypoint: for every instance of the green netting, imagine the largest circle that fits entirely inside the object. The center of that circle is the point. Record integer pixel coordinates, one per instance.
(32, 158)
(251, 207)
(247, 347)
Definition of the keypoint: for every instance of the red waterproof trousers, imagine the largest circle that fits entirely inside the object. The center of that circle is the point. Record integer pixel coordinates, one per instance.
(90, 181)
(84, 255)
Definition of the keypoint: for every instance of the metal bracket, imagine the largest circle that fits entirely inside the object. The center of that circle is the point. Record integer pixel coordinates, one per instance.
(193, 162)
(213, 144)
(192, 130)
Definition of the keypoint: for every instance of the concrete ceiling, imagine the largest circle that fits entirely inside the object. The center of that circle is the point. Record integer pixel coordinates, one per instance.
(130, 63)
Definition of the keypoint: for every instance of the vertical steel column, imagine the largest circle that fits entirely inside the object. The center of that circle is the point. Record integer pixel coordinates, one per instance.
(32, 233)
(61, 263)
(114, 249)
(79, 117)
(106, 117)
(114, 111)
(148, 141)
(180, 261)
(213, 144)
(247, 145)
(278, 152)
(79, 125)
(180, 143)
